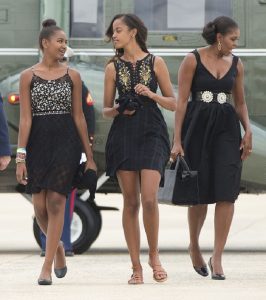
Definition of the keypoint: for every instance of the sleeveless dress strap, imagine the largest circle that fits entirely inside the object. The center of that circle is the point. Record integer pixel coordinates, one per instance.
(152, 60)
(116, 65)
(196, 53)
(235, 60)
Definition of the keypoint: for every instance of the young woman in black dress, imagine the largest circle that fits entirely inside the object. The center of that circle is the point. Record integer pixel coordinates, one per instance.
(209, 124)
(138, 147)
(52, 131)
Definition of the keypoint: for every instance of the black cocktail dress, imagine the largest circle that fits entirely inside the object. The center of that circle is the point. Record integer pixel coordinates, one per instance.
(140, 141)
(54, 147)
(212, 135)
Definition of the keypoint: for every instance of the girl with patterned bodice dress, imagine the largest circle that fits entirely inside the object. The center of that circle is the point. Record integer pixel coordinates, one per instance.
(207, 132)
(52, 133)
(137, 147)
(140, 141)
(54, 147)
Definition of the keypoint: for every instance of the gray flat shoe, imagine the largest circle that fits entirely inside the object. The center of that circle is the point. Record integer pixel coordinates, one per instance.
(60, 273)
(44, 281)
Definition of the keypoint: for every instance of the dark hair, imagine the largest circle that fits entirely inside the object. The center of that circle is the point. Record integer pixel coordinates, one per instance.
(132, 22)
(221, 25)
(49, 27)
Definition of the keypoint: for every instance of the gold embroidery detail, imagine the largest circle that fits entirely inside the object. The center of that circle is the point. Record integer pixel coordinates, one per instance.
(145, 73)
(124, 77)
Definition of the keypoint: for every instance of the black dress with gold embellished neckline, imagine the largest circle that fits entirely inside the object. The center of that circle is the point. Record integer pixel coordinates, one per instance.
(140, 141)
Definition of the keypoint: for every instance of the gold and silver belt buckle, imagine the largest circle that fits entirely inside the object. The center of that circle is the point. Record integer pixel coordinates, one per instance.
(207, 96)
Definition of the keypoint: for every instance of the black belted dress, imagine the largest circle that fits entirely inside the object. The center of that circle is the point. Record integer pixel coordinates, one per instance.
(211, 131)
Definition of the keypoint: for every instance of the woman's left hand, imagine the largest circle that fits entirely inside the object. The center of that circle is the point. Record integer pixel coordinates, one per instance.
(246, 145)
(90, 164)
(143, 90)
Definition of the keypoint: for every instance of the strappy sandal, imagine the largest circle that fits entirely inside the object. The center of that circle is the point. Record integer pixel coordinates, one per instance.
(136, 277)
(159, 273)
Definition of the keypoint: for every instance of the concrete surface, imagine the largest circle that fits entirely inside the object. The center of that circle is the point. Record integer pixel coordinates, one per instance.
(102, 272)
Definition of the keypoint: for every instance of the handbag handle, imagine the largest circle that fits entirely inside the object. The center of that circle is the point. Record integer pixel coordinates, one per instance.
(184, 163)
(180, 160)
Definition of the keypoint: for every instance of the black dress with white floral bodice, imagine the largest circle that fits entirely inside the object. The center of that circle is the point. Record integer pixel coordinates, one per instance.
(54, 148)
(140, 141)
(51, 96)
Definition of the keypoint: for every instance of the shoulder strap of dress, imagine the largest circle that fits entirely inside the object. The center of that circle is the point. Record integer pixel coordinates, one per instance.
(235, 60)
(196, 53)
(152, 60)
(67, 70)
(116, 64)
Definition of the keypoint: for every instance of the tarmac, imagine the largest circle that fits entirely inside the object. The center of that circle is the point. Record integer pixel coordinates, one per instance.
(103, 271)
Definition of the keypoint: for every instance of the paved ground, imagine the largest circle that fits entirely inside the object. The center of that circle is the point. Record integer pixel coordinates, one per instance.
(97, 277)
(103, 271)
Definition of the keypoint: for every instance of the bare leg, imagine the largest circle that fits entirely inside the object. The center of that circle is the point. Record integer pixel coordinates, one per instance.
(51, 224)
(224, 212)
(129, 184)
(150, 180)
(196, 218)
(39, 204)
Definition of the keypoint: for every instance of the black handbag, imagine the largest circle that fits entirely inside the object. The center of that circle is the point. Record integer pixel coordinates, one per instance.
(180, 185)
(85, 179)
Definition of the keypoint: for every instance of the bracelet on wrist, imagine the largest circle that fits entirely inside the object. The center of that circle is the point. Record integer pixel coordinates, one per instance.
(21, 155)
(21, 150)
(20, 160)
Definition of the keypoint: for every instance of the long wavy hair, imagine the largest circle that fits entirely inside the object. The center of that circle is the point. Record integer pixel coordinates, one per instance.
(132, 22)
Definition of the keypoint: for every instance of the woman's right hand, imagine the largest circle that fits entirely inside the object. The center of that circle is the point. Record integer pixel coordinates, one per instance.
(21, 173)
(177, 149)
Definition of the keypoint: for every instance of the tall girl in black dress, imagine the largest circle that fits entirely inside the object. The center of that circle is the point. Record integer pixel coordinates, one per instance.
(137, 148)
(52, 130)
(209, 124)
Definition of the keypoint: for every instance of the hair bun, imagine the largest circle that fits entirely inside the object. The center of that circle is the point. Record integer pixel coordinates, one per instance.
(48, 23)
(209, 33)
(211, 25)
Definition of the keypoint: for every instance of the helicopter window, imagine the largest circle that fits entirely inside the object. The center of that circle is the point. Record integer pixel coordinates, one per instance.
(87, 19)
(180, 15)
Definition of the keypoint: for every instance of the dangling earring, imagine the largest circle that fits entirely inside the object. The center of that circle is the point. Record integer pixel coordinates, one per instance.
(219, 46)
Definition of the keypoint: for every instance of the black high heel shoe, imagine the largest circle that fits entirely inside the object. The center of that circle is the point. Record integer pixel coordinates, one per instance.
(203, 271)
(214, 275)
